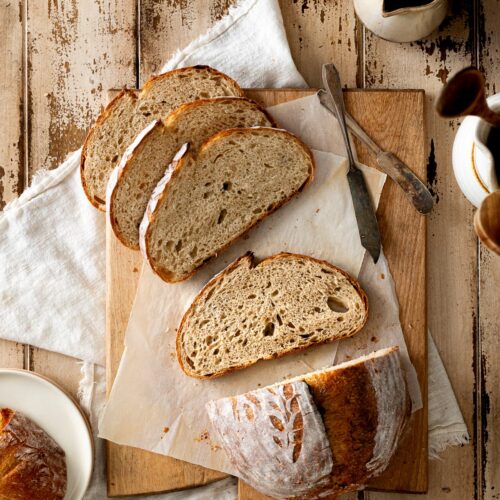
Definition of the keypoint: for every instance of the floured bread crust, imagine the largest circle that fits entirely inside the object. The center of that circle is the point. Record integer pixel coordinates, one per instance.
(281, 428)
(129, 112)
(364, 405)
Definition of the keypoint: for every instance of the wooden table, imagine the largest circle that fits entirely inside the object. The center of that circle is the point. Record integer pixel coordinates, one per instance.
(59, 58)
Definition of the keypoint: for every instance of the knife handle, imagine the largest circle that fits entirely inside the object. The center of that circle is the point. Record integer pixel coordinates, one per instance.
(412, 186)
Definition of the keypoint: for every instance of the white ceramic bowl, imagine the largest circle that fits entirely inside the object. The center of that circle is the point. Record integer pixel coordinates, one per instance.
(55, 412)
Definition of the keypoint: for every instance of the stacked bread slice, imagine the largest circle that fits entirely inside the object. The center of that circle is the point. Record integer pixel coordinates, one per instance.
(145, 162)
(128, 113)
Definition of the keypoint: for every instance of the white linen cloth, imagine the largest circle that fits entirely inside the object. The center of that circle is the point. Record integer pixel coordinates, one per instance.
(52, 256)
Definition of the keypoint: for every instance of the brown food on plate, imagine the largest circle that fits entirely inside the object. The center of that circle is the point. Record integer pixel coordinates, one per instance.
(32, 464)
(251, 312)
(320, 434)
(128, 113)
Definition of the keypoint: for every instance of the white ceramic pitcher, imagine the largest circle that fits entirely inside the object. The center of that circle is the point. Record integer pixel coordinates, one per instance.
(405, 24)
(473, 162)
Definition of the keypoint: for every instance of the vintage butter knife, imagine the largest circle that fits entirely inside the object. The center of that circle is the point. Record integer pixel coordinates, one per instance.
(363, 208)
(398, 171)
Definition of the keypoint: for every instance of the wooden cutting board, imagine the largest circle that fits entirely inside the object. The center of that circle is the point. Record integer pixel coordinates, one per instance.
(395, 120)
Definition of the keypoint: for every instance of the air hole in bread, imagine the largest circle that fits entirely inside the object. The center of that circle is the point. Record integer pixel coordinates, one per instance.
(290, 325)
(194, 251)
(226, 186)
(269, 330)
(336, 306)
(222, 216)
(317, 309)
(178, 246)
(216, 351)
(280, 321)
(252, 296)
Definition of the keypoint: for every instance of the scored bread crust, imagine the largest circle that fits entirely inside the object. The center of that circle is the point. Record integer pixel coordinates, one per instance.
(121, 169)
(137, 96)
(362, 403)
(250, 257)
(164, 186)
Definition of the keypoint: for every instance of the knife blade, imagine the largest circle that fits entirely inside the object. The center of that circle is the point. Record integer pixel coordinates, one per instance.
(365, 215)
(390, 164)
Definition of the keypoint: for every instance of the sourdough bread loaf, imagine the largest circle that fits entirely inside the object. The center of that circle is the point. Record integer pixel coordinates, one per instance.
(32, 465)
(209, 198)
(146, 160)
(250, 312)
(128, 113)
(318, 435)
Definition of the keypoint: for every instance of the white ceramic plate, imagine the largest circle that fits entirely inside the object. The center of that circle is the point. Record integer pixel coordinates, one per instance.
(55, 412)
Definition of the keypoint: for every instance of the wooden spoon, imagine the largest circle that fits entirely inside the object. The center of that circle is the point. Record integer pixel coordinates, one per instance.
(487, 222)
(464, 95)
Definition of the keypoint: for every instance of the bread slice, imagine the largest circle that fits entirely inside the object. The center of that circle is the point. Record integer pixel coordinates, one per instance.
(128, 113)
(144, 163)
(250, 312)
(206, 200)
(324, 433)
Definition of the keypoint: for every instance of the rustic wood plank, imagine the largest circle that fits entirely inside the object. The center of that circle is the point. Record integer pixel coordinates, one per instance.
(489, 286)
(75, 53)
(168, 26)
(451, 252)
(11, 136)
(319, 32)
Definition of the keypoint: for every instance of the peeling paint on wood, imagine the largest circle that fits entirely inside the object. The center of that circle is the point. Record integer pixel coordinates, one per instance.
(452, 250)
(75, 54)
(489, 285)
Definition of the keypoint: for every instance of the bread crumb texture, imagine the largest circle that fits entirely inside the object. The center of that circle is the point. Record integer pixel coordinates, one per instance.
(238, 177)
(128, 114)
(248, 313)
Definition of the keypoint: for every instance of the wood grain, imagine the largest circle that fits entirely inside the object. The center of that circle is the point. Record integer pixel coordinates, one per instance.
(452, 255)
(11, 136)
(133, 471)
(488, 456)
(74, 54)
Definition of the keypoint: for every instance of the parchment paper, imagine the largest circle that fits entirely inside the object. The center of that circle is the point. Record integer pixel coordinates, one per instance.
(153, 405)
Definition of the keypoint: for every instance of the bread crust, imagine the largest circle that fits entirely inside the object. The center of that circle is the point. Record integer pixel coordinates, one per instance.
(158, 198)
(353, 413)
(32, 465)
(127, 92)
(123, 166)
(250, 258)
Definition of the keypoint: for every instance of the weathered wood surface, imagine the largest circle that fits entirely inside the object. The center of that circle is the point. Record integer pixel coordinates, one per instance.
(58, 58)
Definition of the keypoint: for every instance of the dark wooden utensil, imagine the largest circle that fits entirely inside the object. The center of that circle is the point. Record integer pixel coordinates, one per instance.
(465, 95)
(487, 222)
